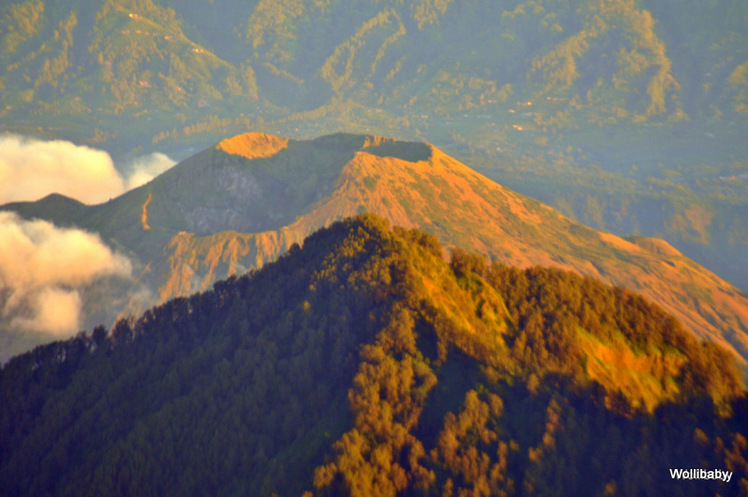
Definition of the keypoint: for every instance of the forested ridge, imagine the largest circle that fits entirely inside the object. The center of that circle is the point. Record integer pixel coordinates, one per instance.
(240, 204)
(366, 364)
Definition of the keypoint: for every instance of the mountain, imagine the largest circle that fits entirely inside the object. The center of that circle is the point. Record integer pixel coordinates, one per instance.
(686, 185)
(363, 363)
(606, 60)
(620, 113)
(249, 198)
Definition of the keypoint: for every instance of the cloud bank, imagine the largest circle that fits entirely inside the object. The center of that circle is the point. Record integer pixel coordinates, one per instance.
(44, 269)
(31, 169)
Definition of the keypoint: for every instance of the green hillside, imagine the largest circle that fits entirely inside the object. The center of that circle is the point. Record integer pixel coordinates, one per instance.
(559, 65)
(365, 364)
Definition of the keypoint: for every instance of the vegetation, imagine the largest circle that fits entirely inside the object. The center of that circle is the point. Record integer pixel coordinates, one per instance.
(560, 100)
(365, 364)
(579, 65)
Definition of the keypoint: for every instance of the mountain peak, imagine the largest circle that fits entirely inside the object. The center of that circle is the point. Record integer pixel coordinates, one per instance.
(244, 202)
(310, 184)
(253, 145)
(258, 145)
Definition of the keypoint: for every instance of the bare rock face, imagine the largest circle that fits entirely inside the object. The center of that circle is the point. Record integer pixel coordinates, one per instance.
(237, 195)
(250, 183)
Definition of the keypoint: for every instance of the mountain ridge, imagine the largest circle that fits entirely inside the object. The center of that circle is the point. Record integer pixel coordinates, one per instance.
(219, 213)
(620, 113)
(609, 61)
(510, 216)
(363, 363)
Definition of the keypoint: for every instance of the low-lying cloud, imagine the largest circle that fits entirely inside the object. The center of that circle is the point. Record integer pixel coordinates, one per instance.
(145, 168)
(43, 271)
(31, 169)
(53, 311)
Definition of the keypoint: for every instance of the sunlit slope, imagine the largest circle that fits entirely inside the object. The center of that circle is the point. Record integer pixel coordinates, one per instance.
(365, 364)
(246, 200)
(417, 185)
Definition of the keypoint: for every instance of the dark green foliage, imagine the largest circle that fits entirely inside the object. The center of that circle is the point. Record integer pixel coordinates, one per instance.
(226, 381)
(548, 306)
(364, 364)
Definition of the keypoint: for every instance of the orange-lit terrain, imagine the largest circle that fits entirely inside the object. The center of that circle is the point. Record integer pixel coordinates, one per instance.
(321, 248)
(432, 191)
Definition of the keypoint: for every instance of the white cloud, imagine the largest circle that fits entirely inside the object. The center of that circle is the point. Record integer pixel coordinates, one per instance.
(55, 312)
(43, 271)
(31, 169)
(145, 168)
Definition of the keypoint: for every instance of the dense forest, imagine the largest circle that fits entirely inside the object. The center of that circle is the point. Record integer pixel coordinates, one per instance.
(365, 364)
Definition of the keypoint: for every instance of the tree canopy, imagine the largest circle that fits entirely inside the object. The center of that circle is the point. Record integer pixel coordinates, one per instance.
(365, 364)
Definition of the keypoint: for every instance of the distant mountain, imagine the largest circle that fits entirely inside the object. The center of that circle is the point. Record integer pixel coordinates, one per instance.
(245, 201)
(163, 62)
(365, 364)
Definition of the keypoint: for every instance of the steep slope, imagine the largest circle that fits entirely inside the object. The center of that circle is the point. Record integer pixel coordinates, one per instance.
(245, 201)
(364, 364)
(417, 185)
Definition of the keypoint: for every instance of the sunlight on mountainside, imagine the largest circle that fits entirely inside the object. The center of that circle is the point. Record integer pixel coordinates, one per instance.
(417, 185)
(253, 145)
(426, 248)
(144, 216)
(363, 364)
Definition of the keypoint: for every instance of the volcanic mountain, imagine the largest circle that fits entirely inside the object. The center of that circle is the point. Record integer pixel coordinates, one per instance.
(245, 201)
